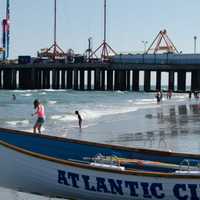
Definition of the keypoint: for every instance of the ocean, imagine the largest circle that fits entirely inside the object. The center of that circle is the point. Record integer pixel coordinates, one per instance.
(123, 118)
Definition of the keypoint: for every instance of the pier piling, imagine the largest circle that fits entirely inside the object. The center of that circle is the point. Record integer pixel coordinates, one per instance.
(135, 80)
(181, 85)
(125, 77)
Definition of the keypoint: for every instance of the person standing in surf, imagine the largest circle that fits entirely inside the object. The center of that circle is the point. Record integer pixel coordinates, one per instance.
(158, 96)
(40, 112)
(79, 118)
(14, 97)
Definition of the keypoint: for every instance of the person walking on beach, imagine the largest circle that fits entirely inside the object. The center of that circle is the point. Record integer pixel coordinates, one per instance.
(79, 118)
(40, 112)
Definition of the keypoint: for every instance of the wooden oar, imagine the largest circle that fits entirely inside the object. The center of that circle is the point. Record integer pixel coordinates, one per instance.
(142, 163)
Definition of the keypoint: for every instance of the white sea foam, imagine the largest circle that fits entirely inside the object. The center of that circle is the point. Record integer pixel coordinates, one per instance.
(64, 117)
(26, 95)
(68, 118)
(28, 130)
(147, 100)
(64, 135)
(54, 90)
(21, 91)
(181, 97)
(56, 117)
(43, 93)
(52, 102)
(16, 123)
(120, 92)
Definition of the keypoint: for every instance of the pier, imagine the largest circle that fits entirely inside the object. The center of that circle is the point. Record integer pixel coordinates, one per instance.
(100, 76)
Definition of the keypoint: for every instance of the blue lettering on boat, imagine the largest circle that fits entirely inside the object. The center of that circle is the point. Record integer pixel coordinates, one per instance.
(118, 187)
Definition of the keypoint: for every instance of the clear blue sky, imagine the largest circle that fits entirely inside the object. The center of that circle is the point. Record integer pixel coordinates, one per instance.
(129, 22)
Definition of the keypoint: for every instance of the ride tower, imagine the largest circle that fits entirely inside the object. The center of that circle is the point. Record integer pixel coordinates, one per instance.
(105, 48)
(162, 43)
(54, 51)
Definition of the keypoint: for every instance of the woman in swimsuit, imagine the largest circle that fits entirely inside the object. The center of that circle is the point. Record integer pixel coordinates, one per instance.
(40, 112)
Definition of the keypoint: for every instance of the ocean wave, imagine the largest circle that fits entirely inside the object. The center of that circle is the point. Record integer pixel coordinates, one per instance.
(93, 114)
(89, 114)
(21, 91)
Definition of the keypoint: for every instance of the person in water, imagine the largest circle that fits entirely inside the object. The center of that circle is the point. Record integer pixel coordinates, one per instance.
(169, 94)
(79, 118)
(40, 112)
(13, 97)
(158, 96)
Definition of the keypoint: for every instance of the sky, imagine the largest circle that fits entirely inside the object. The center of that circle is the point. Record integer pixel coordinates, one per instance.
(129, 22)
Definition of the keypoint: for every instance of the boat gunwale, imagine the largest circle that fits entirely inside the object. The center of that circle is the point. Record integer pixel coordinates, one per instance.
(117, 147)
(96, 168)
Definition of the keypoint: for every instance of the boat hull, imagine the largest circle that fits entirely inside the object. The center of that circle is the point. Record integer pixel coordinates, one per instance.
(64, 148)
(33, 173)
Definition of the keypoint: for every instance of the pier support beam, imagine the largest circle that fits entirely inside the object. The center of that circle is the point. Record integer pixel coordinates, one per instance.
(102, 86)
(147, 81)
(63, 79)
(181, 81)
(46, 79)
(38, 79)
(171, 81)
(33, 84)
(82, 79)
(69, 79)
(195, 81)
(13, 79)
(117, 80)
(110, 80)
(97, 79)
(7, 79)
(128, 85)
(55, 79)
(158, 80)
(75, 79)
(89, 87)
(135, 84)
(122, 80)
